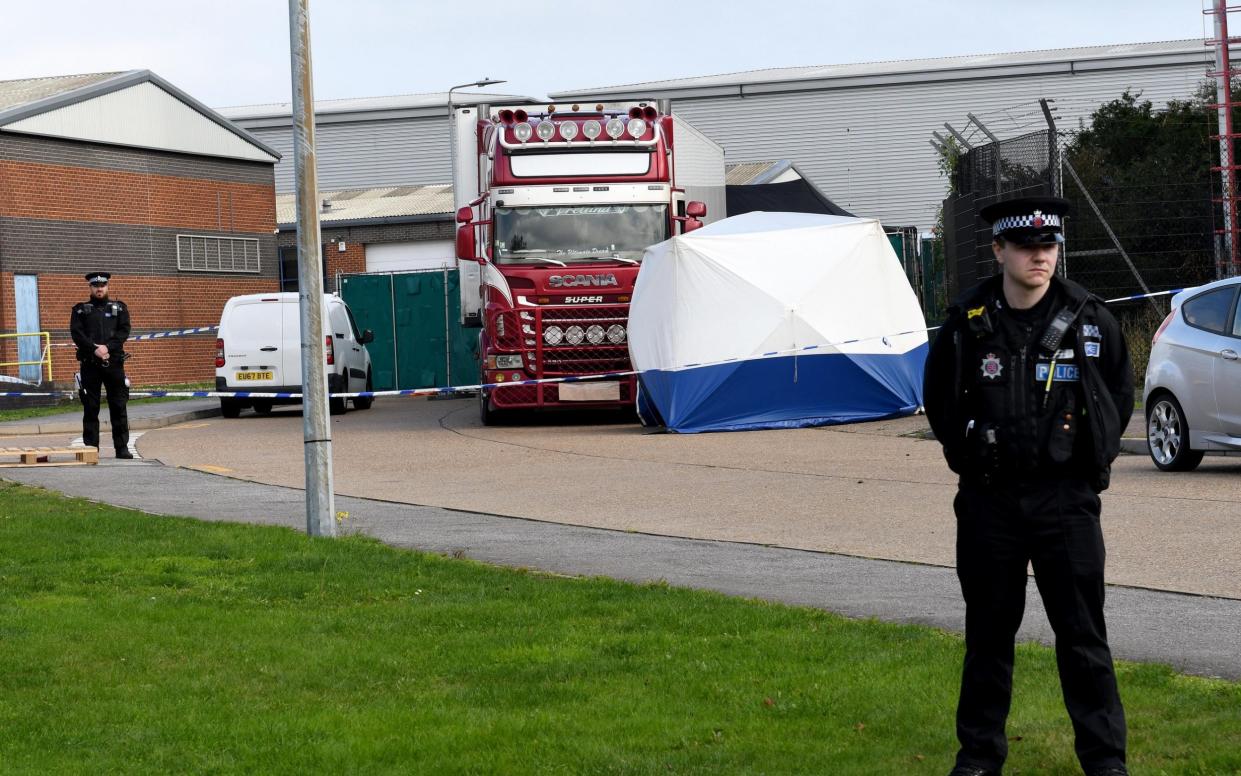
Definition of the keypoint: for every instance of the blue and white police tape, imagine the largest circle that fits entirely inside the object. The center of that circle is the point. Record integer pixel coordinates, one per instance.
(156, 335)
(450, 390)
(1135, 297)
(174, 333)
(440, 391)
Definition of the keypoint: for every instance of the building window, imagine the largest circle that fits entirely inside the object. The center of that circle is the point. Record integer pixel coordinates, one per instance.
(201, 253)
(288, 270)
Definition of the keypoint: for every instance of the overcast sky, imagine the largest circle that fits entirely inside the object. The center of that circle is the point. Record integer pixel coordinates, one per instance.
(236, 52)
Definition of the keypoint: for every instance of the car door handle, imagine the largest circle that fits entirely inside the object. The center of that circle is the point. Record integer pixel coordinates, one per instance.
(1229, 354)
(269, 349)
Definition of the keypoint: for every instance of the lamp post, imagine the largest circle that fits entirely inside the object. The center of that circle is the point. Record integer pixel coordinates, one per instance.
(452, 129)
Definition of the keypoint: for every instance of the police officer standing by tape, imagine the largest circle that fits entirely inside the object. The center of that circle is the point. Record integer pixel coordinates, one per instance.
(100, 327)
(1028, 387)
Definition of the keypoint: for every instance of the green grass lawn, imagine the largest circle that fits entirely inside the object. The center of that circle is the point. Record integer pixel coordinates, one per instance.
(73, 405)
(138, 644)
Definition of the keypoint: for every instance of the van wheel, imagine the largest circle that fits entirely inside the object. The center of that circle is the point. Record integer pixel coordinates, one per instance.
(262, 407)
(364, 403)
(230, 408)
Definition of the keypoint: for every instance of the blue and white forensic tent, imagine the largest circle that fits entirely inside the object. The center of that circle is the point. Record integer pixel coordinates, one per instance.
(776, 320)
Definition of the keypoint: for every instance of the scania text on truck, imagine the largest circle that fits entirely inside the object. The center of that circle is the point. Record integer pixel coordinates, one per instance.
(555, 210)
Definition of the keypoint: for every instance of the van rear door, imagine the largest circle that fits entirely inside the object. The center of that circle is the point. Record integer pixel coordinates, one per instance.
(254, 345)
(292, 345)
(346, 347)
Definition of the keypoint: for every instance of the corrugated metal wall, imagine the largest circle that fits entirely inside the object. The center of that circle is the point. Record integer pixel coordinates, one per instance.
(358, 155)
(867, 148)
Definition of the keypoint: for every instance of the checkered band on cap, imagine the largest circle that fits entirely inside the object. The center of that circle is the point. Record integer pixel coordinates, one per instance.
(1035, 220)
(98, 279)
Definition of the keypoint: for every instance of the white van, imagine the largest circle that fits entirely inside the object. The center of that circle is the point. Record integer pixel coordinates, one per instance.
(259, 349)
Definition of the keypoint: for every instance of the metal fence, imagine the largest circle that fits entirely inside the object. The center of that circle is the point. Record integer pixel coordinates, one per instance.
(1125, 235)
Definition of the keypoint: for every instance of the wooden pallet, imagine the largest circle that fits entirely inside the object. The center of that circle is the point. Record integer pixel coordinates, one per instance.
(47, 456)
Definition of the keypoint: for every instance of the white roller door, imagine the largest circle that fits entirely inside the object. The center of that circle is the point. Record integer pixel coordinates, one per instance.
(403, 256)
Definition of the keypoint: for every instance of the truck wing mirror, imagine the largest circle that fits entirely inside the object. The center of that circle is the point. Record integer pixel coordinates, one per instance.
(690, 224)
(466, 249)
(696, 209)
(465, 215)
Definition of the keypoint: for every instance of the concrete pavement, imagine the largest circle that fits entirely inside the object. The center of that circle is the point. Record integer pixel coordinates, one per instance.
(141, 417)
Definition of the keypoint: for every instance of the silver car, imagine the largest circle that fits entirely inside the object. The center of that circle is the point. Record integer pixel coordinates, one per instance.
(1193, 380)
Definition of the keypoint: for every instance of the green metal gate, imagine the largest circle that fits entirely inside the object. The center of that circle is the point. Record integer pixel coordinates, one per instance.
(415, 316)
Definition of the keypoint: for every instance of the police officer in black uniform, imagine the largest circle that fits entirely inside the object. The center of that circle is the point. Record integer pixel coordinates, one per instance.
(1028, 387)
(100, 327)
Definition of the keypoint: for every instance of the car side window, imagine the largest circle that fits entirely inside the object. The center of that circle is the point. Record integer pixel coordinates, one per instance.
(1236, 319)
(1210, 311)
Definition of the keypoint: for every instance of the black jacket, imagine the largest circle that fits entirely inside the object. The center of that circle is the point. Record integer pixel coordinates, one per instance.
(1073, 432)
(99, 323)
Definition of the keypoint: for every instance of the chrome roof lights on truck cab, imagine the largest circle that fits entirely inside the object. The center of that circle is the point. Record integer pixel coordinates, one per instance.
(569, 194)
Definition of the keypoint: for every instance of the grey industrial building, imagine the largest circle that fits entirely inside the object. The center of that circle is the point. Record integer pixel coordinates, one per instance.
(383, 163)
(858, 132)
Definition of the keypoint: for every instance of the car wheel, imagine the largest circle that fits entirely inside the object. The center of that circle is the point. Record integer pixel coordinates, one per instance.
(1167, 436)
(364, 402)
(230, 408)
(262, 407)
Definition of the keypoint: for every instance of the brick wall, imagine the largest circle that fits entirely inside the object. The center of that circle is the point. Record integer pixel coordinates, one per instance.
(356, 238)
(352, 259)
(444, 229)
(60, 193)
(69, 207)
(155, 304)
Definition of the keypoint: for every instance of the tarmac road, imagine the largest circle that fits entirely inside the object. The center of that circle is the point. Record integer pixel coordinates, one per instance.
(868, 490)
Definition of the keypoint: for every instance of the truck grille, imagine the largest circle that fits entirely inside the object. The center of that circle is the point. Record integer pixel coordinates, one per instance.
(565, 359)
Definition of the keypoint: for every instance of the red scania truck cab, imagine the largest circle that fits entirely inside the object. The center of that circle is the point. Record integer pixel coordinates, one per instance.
(555, 211)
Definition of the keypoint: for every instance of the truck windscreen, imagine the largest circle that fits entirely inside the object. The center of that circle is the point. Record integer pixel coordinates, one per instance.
(576, 233)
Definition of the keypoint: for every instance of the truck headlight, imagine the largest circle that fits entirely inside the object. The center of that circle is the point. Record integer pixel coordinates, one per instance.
(508, 362)
(574, 335)
(523, 131)
(553, 335)
(636, 128)
(616, 334)
(568, 130)
(591, 129)
(545, 130)
(615, 128)
(594, 335)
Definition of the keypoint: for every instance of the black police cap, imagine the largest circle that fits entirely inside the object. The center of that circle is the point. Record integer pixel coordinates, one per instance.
(1028, 220)
(98, 278)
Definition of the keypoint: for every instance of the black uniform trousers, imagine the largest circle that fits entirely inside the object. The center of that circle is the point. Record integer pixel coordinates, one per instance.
(1054, 524)
(111, 377)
